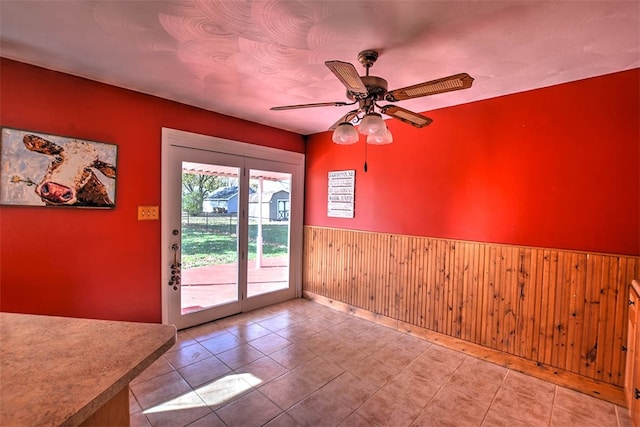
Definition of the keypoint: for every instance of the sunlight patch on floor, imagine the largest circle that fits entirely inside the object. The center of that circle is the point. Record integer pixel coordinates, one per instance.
(215, 393)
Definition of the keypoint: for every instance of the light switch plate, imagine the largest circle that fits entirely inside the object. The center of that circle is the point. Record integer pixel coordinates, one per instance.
(148, 213)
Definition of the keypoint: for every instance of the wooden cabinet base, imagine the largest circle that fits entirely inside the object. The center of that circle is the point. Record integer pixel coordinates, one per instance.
(114, 413)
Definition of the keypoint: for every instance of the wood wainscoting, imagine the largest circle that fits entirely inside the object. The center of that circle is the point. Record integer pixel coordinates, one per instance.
(559, 310)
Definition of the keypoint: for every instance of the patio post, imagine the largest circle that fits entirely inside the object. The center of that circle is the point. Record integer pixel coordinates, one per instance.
(259, 236)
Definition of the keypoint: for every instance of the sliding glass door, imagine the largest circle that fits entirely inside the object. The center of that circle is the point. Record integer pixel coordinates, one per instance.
(232, 227)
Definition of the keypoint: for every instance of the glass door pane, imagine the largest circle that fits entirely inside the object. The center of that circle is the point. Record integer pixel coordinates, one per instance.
(209, 223)
(269, 232)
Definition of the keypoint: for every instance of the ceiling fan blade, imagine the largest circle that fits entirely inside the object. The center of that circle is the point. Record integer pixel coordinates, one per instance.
(445, 84)
(349, 77)
(343, 119)
(317, 104)
(404, 115)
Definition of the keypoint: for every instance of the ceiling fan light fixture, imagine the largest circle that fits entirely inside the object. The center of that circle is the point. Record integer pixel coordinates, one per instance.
(367, 90)
(381, 138)
(345, 134)
(372, 123)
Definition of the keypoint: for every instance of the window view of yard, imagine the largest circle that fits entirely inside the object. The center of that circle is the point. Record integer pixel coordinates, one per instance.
(211, 239)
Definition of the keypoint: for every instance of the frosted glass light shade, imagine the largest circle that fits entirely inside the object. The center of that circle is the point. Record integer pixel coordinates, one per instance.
(372, 123)
(381, 138)
(345, 134)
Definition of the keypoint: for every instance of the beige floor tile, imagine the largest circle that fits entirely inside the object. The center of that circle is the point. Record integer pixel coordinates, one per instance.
(159, 367)
(138, 419)
(160, 389)
(476, 386)
(624, 419)
(374, 371)
(222, 342)
(383, 333)
(277, 323)
(356, 420)
(205, 332)
(181, 410)
(530, 407)
(395, 354)
(283, 420)
(134, 406)
(252, 409)
(204, 371)
(453, 408)
(239, 356)
(410, 343)
(346, 355)
(297, 333)
(183, 339)
(211, 420)
(233, 321)
(562, 418)
(374, 339)
(480, 368)
(436, 353)
(287, 390)
(292, 356)
(495, 418)
(351, 391)
(262, 370)
(322, 343)
(225, 389)
(248, 332)
(355, 325)
(427, 419)
(318, 371)
(259, 315)
(534, 387)
(270, 343)
(318, 410)
(416, 391)
(601, 412)
(435, 371)
(186, 355)
(310, 327)
(326, 368)
(384, 409)
(344, 331)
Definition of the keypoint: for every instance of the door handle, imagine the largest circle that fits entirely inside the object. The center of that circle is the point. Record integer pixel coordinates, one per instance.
(174, 282)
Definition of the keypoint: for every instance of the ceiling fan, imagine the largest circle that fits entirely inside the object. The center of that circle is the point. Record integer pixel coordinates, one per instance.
(367, 90)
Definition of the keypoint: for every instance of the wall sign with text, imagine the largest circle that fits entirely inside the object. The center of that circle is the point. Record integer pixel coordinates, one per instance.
(341, 194)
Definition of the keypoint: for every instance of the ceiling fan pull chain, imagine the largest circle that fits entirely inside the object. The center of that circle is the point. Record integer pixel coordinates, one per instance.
(365, 156)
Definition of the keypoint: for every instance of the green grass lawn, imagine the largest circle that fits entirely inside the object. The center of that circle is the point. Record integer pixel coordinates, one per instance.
(206, 244)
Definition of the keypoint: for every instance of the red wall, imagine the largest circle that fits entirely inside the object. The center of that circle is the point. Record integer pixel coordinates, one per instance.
(557, 167)
(97, 263)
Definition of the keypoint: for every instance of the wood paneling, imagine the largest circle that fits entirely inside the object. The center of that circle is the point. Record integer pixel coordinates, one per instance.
(563, 309)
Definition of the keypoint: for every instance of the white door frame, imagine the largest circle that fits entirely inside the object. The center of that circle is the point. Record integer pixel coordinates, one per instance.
(173, 138)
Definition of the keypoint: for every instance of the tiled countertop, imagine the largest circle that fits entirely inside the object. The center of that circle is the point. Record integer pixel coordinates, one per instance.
(59, 370)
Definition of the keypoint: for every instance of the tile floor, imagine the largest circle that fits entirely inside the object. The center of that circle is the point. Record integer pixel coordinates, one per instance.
(302, 364)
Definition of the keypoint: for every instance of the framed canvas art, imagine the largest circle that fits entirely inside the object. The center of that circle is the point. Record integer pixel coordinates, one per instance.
(38, 169)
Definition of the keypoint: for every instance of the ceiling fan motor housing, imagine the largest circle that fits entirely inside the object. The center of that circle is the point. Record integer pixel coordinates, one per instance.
(376, 86)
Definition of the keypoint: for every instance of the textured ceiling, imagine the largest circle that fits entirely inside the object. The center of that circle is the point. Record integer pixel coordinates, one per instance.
(241, 57)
